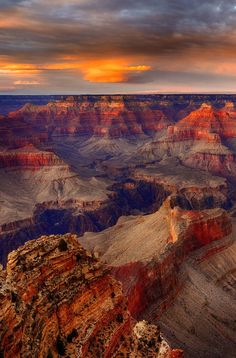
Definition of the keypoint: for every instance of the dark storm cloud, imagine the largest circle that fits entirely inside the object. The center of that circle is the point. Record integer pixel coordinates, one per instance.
(9, 3)
(149, 32)
(132, 27)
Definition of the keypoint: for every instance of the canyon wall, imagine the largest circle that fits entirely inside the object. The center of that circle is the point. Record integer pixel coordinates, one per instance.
(146, 254)
(115, 116)
(58, 300)
(206, 123)
(28, 157)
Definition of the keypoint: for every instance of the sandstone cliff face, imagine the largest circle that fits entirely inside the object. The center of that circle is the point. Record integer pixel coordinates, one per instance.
(221, 164)
(57, 218)
(206, 123)
(199, 141)
(57, 300)
(157, 281)
(73, 210)
(19, 133)
(28, 157)
(199, 228)
(116, 116)
(190, 189)
(146, 254)
(204, 309)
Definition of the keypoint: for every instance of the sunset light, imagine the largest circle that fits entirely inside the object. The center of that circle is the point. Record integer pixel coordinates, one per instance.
(112, 46)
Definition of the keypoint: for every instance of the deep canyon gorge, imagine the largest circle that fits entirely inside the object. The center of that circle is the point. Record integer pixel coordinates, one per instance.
(118, 226)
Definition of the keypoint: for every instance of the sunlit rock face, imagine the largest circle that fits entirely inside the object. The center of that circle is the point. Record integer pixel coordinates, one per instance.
(113, 116)
(28, 157)
(147, 183)
(204, 139)
(199, 227)
(164, 239)
(58, 300)
(206, 123)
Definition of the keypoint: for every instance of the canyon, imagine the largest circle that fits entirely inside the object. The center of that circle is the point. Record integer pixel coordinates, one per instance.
(147, 183)
(74, 307)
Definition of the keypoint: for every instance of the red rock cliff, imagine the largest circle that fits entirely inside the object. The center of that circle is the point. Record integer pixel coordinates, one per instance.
(28, 156)
(115, 116)
(156, 280)
(218, 163)
(206, 123)
(57, 300)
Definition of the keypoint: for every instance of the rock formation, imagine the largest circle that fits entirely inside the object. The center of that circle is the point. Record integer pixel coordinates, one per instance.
(150, 180)
(204, 308)
(164, 240)
(28, 157)
(204, 139)
(116, 116)
(206, 123)
(58, 300)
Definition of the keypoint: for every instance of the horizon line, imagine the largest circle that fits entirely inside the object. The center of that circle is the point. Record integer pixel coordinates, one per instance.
(121, 94)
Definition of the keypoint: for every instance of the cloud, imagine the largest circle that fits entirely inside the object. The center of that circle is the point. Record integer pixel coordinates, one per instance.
(10, 3)
(26, 83)
(114, 71)
(106, 41)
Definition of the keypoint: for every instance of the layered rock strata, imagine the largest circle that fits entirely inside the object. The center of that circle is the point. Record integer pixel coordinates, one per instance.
(115, 116)
(58, 300)
(206, 123)
(205, 309)
(147, 253)
(28, 157)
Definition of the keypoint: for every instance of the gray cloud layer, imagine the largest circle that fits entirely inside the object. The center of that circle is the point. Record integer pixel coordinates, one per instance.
(152, 31)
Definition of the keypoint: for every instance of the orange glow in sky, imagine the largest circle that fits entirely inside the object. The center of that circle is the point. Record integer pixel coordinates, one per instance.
(100, 46)
(111, 71)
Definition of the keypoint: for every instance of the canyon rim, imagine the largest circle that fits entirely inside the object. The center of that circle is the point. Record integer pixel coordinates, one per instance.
(117, 179)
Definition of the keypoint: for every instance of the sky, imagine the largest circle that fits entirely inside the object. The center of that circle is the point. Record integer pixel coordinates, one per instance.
(117, 46)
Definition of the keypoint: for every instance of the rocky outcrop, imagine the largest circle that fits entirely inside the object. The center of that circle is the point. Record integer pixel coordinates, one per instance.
(58, 300)
(57, 218)
(139, 195)
(60, 216)
(18, 133)
(28, 157)
(200, 140)
(204, 309)
(206, 123)
(115, 116)
(146, 254)
(158, 282)
(218, 163)
(128, 154)
(198, 228)
(190, 189)
(204, 139)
